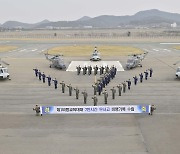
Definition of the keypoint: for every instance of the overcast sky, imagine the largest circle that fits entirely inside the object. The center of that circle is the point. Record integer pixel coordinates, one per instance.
(32, 11)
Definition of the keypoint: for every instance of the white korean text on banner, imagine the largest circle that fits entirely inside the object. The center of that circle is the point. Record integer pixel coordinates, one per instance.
(95, 109)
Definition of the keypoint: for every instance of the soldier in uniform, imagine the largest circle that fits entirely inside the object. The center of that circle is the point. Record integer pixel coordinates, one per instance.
(84, 70)
(95, 70)
(152, 109)
(135, 80)
(105, 96)
(36, 71)
(141, 77)
(63, 86)
(78, 69)
(95, 100)
(77, 92)
(39, 74)
(70, 89)
(37, 109)
(55, 83)
(99, 88)
(49, 80)
(95, 88)
(124, 86)
(146, 74)
(43, 77)
(113, 92)
(85, 95)
(89, 70)
(150, 72)
(107, 69)
(119, 89)
(129, 84)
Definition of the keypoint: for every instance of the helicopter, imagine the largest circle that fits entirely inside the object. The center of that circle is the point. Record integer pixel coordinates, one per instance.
(4, 70)
(95, 55)
(57, 61)
(135, 60)
(178, 70)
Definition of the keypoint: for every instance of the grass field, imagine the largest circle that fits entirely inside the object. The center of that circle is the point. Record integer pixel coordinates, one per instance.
(86, 50)
(4, 48)
(177, 47)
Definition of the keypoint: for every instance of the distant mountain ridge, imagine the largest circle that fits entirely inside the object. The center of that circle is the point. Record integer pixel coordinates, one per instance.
(146, 18)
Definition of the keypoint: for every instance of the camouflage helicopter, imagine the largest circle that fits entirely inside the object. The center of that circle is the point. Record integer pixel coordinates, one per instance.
(95, 55)
(4, 70)
(56, 61)
(135, 60)
(178, 70)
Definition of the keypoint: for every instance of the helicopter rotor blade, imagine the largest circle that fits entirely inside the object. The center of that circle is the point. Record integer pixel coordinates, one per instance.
(5, 62)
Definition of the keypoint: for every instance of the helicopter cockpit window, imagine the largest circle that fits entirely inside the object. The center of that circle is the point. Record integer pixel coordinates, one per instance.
(1, 71)
(5, 71)
(130, 61)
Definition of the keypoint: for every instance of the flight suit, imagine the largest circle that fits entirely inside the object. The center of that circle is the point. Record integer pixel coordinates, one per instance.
(77, 92)
(95, 89)
(70, 89)
(124, 86)
(113, 93)
(119, 89)
(95, 100)
(146, 74)
(105, 96)
(85, 95)
(63, 86)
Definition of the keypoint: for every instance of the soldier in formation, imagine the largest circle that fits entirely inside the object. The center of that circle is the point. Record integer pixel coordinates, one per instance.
(36, 72)
(85, 95)
(63, 86)
(43, 77)
(78, 70)
(124, 86)
(150, 72)
(49, 80)
(55, 83)
(129, 84)
(77, 92)
(135, 79)
(146, 74)
(141, 77)
(70, 89)
(119, 89)
(95, 100)
(113, 92)
(105, 96)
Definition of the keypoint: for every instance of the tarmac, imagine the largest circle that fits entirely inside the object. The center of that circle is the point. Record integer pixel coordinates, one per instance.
(23, 132)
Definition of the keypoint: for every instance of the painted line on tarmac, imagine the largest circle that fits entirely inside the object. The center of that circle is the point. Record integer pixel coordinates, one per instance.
(170, 43)
(155, 49)
(166, 113)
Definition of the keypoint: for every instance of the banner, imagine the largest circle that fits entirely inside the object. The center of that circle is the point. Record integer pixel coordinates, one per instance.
(95, 109)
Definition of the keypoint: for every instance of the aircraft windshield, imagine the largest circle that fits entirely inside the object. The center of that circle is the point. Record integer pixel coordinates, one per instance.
(130, 61)
(1, 71)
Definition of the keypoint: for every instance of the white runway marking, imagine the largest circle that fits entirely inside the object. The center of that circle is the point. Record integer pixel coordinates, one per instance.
(167, 50)
(169, 43)
(155, 49)
(34, 50)
(74, 64)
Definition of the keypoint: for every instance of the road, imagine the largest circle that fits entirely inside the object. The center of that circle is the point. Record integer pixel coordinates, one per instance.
(23, 132)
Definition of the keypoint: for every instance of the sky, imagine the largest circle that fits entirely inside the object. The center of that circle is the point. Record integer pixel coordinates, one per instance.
(32, 11)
